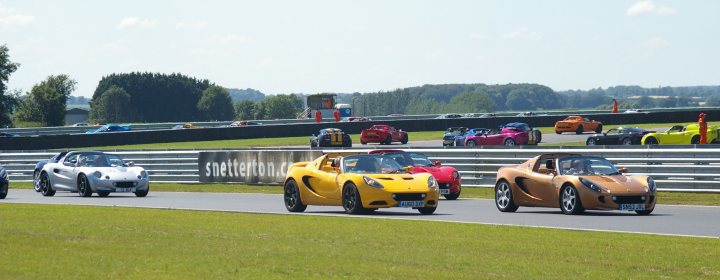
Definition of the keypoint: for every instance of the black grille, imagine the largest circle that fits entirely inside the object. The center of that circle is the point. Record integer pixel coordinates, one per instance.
(628, 199)
(444, 185)
(124, 184)
(407, 196)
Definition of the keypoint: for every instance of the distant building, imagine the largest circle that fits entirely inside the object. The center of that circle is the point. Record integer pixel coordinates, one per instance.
(76, 115)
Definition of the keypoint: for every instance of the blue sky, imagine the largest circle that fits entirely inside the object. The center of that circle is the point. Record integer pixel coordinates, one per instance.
(346, 46)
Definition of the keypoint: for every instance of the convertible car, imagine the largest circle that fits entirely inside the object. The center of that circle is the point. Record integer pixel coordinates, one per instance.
(574, 183)
(681, 135)
(509, 135)
(86, 172)
(618, 136)
(383, 134)
(457, 137)
(578, 125)
(110, 128)
(358, 183)
(4, 182)
(330, 137)
(447, 177)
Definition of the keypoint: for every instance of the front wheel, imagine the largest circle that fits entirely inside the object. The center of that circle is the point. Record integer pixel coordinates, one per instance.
(503, 197)
(644, 212)
(293, 203)
(45, 186)
(651, 141)
(590, 142)
(627, 141)
(695, 140)
(570, 201)
(427, 210)
(388, 140)
(4, 191)
(404, 139)
(579, 130)
(103, 193)
(351, 201)
(36, 180)
(142, 193)
(83, 186)
(509, 142)
(452, 196)
(471, 143)
(598, 129)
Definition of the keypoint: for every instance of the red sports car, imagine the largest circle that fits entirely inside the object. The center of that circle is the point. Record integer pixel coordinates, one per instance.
(383, 134)
(447, 177)
(509, 135)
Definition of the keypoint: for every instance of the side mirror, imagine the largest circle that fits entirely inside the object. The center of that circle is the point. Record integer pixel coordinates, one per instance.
(408, 169)
(623, 170)
(68, 163)
(130, 163)
(437, 163)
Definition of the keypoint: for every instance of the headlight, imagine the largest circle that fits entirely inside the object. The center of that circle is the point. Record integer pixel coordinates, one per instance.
(143, 174)
(593, 186)
(432, 183)
(372, 182)
(455, 175)
(97, 174)
(3, 174)
(651, 184)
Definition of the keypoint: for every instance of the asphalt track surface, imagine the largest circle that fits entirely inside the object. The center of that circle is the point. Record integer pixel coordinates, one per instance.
(697, 221)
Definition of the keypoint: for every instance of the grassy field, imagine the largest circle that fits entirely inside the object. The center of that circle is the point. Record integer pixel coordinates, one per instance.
(77, 242)
(677, 198)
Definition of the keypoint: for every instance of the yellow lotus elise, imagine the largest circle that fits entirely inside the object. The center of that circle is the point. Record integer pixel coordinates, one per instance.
(360, 184)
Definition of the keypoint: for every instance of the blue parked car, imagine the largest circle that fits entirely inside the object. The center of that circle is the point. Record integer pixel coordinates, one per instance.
(4, 182)
(455, 136)
(110, 128)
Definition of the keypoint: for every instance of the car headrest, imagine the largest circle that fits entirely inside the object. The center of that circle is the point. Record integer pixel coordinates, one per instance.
(549, 164)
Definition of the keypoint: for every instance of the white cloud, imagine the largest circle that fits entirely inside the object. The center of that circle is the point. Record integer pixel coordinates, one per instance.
(130, 22)
(11, 18)
(648, 7)
(237, 39)
(524, 34)
(654, 43)
(191, 25)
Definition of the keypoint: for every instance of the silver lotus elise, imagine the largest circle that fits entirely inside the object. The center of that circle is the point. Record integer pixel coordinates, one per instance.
(87, 172)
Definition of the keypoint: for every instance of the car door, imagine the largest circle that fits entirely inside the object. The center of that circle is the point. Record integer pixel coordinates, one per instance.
(611, 137)
(539, 188)
(63, 176)
(323, 181)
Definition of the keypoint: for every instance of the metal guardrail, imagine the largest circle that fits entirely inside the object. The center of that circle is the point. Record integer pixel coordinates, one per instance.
(691, 168)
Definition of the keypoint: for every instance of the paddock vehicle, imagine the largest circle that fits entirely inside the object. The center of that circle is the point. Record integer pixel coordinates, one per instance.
(243, 123)
(358, 183)
(449, 116)
(618, 136)
(456, 137)
(681, 135)
(330, 137)
(578, 125)
(383, 134)
(509, 135)
(39, 166)
(4, 182)
(185, 126)
(108, 128)
(448, 178)
(574, 183)
(356, 119)
(87, 172)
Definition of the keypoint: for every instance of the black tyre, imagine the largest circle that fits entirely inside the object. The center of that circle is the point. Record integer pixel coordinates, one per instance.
(347, 142)
(351, 201)
(363, 142)
(388, 140)
(36, 180)
(695, 140)
(4, 191)
(644, 212)
(293, 202)
(83, 186)
(590, 142)
(471, 143)
(452, 196)
(651, 141)
(538, 135)
(313, 144)
(509, 142)
(404, 139)
(598, 129)
(580, 130)
(558, 132)
(503, 197)
(45, 185)
(427, 210)
(143, 193)
(570, 203)
(103, 194)
(626, 142)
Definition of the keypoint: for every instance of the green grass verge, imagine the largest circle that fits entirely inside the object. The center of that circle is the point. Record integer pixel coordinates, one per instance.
(676, 198)
(81, 242)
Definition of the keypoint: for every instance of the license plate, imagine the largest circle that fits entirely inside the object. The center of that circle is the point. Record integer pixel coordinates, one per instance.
(632, 207)
(411, 203)
(123, 189)
(372, 134)
(444, 191)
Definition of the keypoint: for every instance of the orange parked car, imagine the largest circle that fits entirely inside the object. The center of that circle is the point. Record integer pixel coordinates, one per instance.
(578, 125)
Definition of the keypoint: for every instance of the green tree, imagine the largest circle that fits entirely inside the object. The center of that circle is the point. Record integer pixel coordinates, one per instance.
(244, 109)
(215, 104)
(112, 107)
(471, 102)
(281, 106)
(8, 101)
(45, 103)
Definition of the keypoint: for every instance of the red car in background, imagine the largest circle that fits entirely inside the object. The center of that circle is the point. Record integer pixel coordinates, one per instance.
(383, 134)
(447, 177)
(509, 135)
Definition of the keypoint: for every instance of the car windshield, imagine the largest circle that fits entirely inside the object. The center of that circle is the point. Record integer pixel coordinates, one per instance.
(411, 159)
(586, 166)
(371, 164)
(100, 160)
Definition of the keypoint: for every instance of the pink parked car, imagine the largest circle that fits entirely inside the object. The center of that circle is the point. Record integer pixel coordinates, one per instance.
(509, 135)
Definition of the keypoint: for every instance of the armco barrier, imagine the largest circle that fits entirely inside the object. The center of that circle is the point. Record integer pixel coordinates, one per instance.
(676, 168)
(305, 129)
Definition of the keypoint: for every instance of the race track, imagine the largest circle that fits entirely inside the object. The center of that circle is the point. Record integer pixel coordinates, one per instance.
(700, 221)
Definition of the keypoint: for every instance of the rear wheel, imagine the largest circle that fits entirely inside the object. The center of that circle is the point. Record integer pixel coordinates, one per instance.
(347, 142)
(313, 144)
(598, 129)
(103, 193)
(83, 186)
(570, 201)
(363, 142)
(579, 130)
(590, 142)
(427, 210)
(471, 143)
(404, 139)
(351, 201)
(293, 203)
(45, 186)
(509, 142)
(4, 191)
(503, 197)
(388, 140)
(627, 141)
(558, 132)
(695, 140)
(651, 141)
(644, 212)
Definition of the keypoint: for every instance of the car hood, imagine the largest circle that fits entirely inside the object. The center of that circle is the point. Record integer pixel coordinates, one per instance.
(402, 182)
(117, 173)
(442, 174)
(620, 183)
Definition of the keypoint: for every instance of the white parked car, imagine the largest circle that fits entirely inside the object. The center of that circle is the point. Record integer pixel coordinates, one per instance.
(87, 172)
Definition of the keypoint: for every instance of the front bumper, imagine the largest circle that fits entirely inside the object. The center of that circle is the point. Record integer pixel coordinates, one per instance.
(100, 185)
(380, 198)
(372, 139)
(452, 187)
(613, 201)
